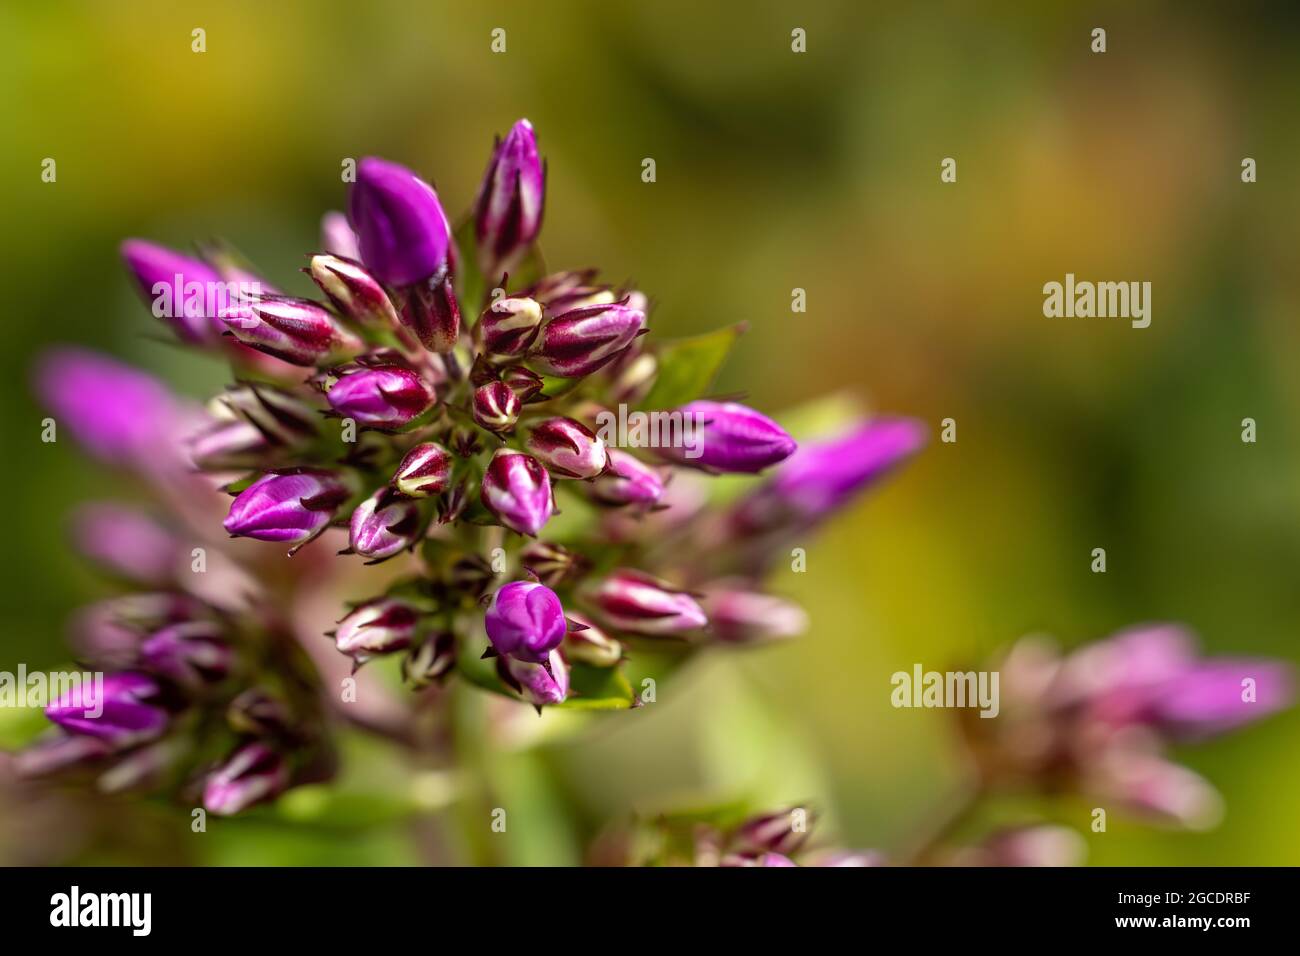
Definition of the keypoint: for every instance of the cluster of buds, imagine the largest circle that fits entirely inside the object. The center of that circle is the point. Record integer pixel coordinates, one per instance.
(191, 684)
(1100, 719)
(439, 405)
(778, 838)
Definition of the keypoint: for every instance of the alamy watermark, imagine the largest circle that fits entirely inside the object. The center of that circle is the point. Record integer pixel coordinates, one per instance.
(84, 689)
(637, 429)
(178, 298)
(1102, 300)
(922, 688)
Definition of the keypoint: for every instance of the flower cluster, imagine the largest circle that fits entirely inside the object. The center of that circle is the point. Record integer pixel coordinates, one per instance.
(438, 406)
(1099, 720)
(201, 688)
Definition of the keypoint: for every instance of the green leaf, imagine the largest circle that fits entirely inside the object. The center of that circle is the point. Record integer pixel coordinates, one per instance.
(687, 367)
(470, 284)
(598, 688)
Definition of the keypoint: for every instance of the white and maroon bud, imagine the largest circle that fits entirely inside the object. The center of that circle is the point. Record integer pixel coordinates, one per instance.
(551, 563)
(741, 616)
(539, 684)
(507, 328)
(517, 490)
(582, 340)
(639, 604)
(590, 645)
(425, 471)
(354, 292)
(628, 481)
(568, 448)
(296, 331)
(524, 382)
(496, 407)
(384, 524)
(431, 661)
(377, 627)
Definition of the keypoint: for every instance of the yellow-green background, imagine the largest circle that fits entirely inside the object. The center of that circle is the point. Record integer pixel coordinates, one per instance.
(775, 171)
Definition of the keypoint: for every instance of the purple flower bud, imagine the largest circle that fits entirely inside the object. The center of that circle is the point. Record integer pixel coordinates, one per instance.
(1221, 694)
(291, 506)
(118, 713)
(250, 775)
(401, 229)
(820, 478)
(496, 407)
(539, 684)
(354, 292)
(568, 448)
(109, 633)
(424, 471)
(229, 444)
(385, 524)
(337, 237)
(431, 661)
(508, 211)
(524, 382)
(744, 617)
(431, 312)
(628, 481)
(517, 490)
(128, 543)
(384, 397)
(59, 753)
(591, 645)
(297, 331)
(377, 627)
(178, 288)
(508, 327)
(551, 563)
(638, 604)
(731, 438)
(191, 654)
(582, 340)
(525, 620)
(118, 413)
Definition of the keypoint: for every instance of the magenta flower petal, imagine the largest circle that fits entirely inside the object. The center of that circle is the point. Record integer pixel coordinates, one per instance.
(517, 490)
(291, 506)
(118, 413)
(1221, 694)
(401, 229)
(119, 713)
(821, 478)
(386, 397)
(732, 438)
(525, 620)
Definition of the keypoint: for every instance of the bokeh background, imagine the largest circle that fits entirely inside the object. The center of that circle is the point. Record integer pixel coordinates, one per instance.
(775, 171)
